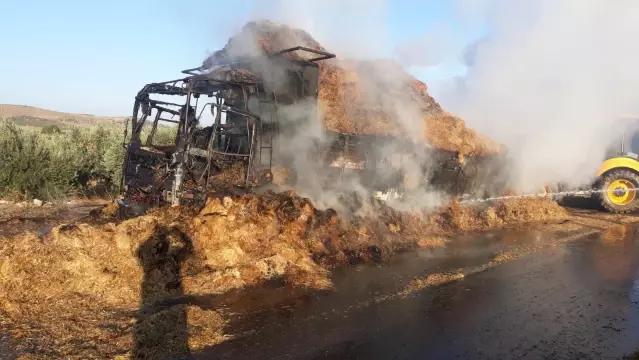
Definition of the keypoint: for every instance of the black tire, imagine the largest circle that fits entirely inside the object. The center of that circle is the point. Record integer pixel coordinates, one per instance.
(608, 179)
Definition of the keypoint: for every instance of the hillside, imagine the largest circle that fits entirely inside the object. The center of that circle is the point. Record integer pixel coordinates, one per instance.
(33, 116)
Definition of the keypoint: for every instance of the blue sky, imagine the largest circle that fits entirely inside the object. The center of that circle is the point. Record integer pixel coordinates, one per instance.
(93, 56)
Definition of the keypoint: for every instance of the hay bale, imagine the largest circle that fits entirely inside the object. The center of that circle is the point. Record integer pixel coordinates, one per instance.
(355, 98)
(448, 132)
(233, 174)
(503, 213)
(358, 97)
(281, 175)
(260, 38)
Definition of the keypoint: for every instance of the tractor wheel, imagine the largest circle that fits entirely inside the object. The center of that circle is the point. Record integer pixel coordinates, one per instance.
(619, 191)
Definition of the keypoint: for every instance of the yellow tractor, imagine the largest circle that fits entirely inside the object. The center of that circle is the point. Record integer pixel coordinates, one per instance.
(618, 177)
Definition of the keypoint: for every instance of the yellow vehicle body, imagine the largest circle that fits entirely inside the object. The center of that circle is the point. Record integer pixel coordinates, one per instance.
(617, 181)
(617, 184)
(618, 162)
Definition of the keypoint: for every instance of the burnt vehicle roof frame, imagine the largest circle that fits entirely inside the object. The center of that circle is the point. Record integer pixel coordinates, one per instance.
(170, 87)
(195, 85)
(322, 55)
(205, 85)
(212, 87)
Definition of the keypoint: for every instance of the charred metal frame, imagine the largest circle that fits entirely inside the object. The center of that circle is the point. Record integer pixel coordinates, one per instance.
(155, 175)
(143, 160)
(441, 170)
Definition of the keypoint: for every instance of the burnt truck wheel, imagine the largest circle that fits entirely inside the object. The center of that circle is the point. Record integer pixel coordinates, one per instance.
(619, 191)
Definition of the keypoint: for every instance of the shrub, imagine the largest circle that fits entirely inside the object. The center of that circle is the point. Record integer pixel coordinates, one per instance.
(24, 163)
(49, 164)
(51, 129)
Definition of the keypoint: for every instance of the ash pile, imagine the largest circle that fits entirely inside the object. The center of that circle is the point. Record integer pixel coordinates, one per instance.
(368, 125)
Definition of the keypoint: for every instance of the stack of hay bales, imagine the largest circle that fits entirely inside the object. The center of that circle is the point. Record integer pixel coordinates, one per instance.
(373, 98)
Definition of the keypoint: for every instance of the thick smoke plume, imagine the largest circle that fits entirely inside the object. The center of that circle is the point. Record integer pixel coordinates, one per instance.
(351, 28)
(303, 131)
(549, 81)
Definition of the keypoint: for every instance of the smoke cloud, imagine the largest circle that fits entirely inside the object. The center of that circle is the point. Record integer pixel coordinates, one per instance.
(428, 50)
(549, 82)
(350, 28)
(302, 132)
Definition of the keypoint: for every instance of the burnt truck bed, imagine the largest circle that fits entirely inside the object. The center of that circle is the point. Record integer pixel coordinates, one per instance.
(251, 128)
(380, 164)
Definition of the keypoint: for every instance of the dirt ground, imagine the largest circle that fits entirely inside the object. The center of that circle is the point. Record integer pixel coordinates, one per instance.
(20, 217)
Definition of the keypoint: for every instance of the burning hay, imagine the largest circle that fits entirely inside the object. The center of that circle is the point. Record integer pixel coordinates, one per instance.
(117, 287)
(129, 288)
(448, 132)
(233, 174)
(119, 276)
(263, 37)
(356, 97)
(505, 213)
(380, 98)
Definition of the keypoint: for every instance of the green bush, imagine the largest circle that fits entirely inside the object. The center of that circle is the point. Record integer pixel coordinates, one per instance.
(51, 129)
(50, 164)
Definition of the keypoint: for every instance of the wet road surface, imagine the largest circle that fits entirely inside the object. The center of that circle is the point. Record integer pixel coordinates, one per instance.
(577, 300)
(6, 352)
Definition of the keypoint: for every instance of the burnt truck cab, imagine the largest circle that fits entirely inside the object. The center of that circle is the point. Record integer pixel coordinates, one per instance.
(171, 149)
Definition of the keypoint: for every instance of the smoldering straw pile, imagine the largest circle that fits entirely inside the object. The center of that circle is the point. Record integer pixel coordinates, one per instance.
(156, 283)
(354, 95)
(104, 285)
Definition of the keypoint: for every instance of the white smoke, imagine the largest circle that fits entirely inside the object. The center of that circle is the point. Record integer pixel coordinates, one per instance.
(350, 28)
(546, 81)
(549, 82)
(429, 50)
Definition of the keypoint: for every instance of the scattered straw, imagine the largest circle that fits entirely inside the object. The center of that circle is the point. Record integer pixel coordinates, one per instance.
(104, 284)
(430, 281)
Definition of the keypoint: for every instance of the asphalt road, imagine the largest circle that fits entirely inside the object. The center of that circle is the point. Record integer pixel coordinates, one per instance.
(578, 300)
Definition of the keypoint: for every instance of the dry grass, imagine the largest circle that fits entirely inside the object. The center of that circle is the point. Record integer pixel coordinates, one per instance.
(355, 99)
(268, 36)
(504, 257)
(16, 218)
(449, 132)
(430, 281)
(84, 283)
(432, 242)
